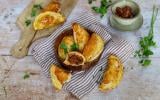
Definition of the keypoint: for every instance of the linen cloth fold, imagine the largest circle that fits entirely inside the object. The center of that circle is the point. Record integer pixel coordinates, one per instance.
(82, 82)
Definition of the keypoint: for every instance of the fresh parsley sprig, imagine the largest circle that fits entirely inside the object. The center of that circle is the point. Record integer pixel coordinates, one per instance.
(35, 9)
(147, 42)
(102, 10)
(28, 22)
(64, 47)
(74, 47)
(90, 1)
(26, 75)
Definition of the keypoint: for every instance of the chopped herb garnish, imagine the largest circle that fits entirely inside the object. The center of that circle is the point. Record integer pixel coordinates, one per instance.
(64, 47)
(145, 62)
(28, 22)
(90, 1)
(35, 9)
(147, 42)
(105, 4)
(74, 47)
(26, 75)
(38, 6)
(34, 12)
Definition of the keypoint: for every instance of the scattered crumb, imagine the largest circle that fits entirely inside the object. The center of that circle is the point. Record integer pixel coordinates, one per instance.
(12, 9)
(6, 16)
(11, 30)
(8, 23)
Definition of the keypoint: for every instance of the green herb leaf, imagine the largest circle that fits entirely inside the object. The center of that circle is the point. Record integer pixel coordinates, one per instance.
(26, 75)
(64, 47)
(90, 1)
(147, 42)
(147, 52)
(35, 9)
(146, 62)
(96, 9)
(102, 10)
(34, 12)
(28, 22)
(74, 47)
(137, 53)
(38, 6)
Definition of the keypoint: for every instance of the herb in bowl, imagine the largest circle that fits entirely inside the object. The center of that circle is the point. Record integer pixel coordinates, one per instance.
(74, 47)
(64, 47)
(147, 42)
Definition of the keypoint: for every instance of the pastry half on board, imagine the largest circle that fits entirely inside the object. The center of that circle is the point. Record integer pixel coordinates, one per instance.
(39, 19)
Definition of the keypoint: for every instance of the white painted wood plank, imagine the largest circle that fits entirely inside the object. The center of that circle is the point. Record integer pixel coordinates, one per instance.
(10, 32)
(138, 83)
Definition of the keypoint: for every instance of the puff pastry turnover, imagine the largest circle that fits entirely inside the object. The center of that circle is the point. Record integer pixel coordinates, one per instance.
(113, 75)
(81, 36)
(93, 48)
(53, 6)
(59, 76)
(66, 41)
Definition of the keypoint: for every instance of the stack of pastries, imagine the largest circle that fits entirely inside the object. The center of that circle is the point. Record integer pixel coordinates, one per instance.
(79, 49)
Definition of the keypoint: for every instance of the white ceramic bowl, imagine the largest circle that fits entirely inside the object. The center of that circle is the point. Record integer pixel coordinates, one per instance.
(122, 3)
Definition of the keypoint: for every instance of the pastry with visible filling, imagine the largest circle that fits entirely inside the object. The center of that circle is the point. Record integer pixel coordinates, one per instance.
(74, 60)
(53, 6)
(59, 76)
(65, 46)
(48, 19)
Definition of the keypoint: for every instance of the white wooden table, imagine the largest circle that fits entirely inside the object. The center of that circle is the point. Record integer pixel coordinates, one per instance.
(138, 83)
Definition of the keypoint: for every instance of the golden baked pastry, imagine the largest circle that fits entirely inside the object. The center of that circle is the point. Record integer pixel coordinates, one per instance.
(113, 75)
(53, 6)
(59, 76)
(48, 19)
(93, 48)
(81, 36)
(65, 46)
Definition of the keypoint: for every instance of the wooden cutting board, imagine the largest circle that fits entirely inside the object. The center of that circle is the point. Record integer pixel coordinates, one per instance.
(28, 34)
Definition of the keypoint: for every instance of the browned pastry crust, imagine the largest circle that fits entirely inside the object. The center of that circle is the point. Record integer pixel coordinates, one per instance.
(81, 36)
(61, 60)
(112, 75)
(93, 48)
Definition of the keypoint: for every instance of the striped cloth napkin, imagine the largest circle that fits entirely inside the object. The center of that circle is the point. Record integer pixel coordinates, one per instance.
(82, 82)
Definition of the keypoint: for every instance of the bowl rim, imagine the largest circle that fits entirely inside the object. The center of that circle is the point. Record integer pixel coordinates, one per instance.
(58, 40)
(126, 18)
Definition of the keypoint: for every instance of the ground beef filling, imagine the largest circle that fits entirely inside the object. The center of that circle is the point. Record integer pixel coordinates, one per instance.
(74, 59)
